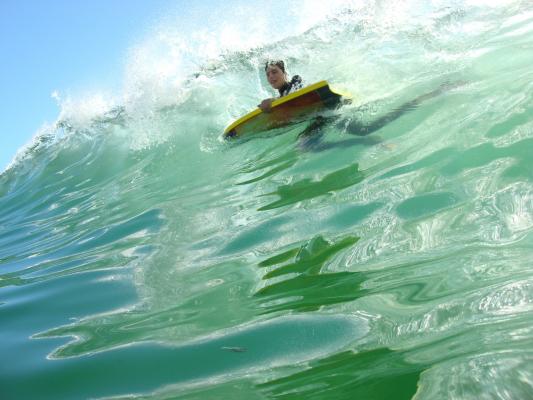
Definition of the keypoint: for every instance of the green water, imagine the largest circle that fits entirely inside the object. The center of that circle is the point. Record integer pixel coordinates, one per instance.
(141, 256)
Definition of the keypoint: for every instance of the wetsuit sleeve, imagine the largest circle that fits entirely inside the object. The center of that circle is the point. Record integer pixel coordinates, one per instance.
(292, 86)
(296, 83)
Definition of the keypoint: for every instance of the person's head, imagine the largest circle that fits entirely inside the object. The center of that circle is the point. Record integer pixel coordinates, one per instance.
(275, 73)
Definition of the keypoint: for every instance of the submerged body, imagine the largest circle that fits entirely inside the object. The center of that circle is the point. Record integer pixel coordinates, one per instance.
(294, 103)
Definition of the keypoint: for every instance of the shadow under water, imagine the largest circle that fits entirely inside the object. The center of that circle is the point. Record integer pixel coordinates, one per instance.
(375, 374)
(311, 288)
(306, 189)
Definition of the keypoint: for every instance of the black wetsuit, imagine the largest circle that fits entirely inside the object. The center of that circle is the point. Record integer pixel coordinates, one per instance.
(292, 86)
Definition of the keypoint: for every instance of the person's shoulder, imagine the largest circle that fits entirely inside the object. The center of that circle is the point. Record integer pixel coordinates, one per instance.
(296, 79)
(296, 83)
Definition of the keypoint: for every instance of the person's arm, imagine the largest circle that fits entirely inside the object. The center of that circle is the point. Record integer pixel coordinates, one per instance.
(266, 105)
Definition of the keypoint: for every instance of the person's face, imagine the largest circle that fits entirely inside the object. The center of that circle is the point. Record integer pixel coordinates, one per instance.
(275, 76)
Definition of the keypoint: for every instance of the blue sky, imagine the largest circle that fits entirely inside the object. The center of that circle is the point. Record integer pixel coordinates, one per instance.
(67, 46)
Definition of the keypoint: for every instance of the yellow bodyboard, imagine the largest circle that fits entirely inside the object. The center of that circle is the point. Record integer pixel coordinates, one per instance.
(287, 109)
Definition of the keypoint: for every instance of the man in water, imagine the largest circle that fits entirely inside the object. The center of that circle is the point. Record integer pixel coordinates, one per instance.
(279, 80)
(311, 137)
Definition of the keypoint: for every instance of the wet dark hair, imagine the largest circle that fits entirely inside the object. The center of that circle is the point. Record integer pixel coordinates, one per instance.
(277, 63)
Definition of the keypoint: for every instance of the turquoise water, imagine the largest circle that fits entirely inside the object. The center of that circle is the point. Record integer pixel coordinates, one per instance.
(141, 256)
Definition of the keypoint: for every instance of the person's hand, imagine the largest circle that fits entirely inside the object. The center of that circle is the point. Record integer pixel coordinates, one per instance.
(266, 105)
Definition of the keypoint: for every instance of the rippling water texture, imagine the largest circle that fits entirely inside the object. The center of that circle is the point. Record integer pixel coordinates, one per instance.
(141, 256)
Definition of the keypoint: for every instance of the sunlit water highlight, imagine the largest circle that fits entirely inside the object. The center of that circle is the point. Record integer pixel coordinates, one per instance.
(141, 256)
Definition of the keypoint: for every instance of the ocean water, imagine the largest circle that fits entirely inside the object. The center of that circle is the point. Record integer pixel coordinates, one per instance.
(142, 256)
